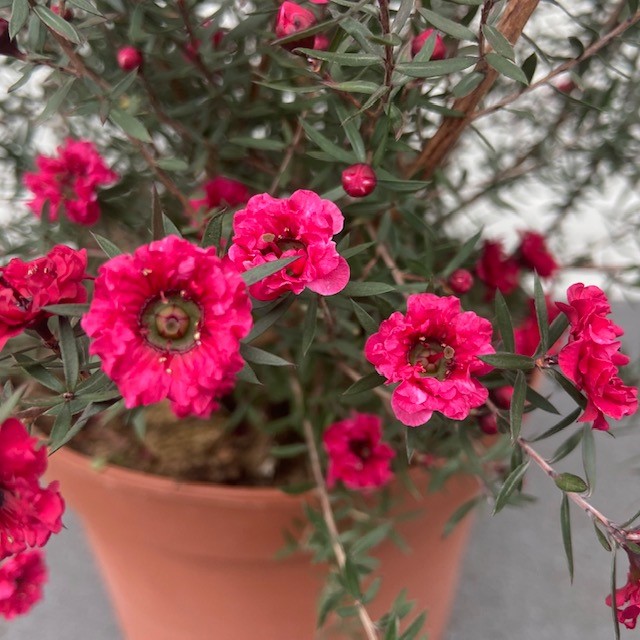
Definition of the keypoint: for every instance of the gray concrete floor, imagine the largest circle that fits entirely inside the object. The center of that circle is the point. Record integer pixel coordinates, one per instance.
(515, 584)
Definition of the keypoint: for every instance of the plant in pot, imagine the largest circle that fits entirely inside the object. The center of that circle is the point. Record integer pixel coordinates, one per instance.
(250, 308)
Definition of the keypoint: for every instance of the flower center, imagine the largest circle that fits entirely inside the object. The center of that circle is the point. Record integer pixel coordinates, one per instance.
(360, 448)
(287, 244)
(432, 358)
(171, 322)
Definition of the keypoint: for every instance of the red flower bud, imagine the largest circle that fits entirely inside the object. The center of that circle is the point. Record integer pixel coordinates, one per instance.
(7, 46)
(439, 51)
(291, 19)
(488, 424)
(321, 42)
(460, 281)
(129, 58)
(359, 180)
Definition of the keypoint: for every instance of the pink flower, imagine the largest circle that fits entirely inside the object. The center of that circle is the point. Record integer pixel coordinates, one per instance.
(167, 323)
(432, 351)
(592, 356)
(496, 271)
(439, 50)
(221, 191)
(534, 255)
(69, 181)
(357, 456)
(129, 58)
(29, 513)
(21, 581)
(359, 180)
(321, 42)
(26, 287)
(292, 18)
(302, 225)
(628, 597)
(460, 281)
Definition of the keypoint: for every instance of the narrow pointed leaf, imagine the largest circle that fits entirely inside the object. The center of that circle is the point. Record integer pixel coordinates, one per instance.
(505, 325)
(364, 289)
(310, 325)
(541, 316)
(57, 23)
(7, 407)
(213, 232)
(365, 383)
(517, 405)
(589, 456)
(559, 426)
(130, 125)
(459, 514)
(602, 538)
(502, 360)
(70, 310)
(506, 68)
(69, 353)
(19, 16)
(454, 29)
(510, 485)
(499, 43)
(259, 356)
(366, 321)
(157, 228)
(565, 524)
(557, 328)
(459, 258)
(268, 268)
(566, 447)
(107, 246)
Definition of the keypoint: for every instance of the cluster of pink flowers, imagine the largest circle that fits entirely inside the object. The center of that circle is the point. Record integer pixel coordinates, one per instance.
(357, 455)
(29, 514)
(501, 272)
(592, 356)
(27, 287)
(302, 225)
(433, 352)
(70, 181)
(167, 323)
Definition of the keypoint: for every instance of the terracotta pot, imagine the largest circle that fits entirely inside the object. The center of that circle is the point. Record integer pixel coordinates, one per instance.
(197, 562)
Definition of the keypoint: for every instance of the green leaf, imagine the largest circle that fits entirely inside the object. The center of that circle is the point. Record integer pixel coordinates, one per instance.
(61, 425)
(173, 164)
(336, 152)
(288, 450)
(343, 59)
(529, 66)
(434, 68)
(57, 23)
(247, 374)
(460, 257)
(264, 270)
(157, 228)
(19, 17)
(39, 373)
(110, 249)
(328, 602)
(635, 516)
(364, 289)
(565, 524)
(506, 67)
(310, 324)
(570, 483)
(510, 485)
(614, 611)
(541, 315)
(369, 325)
(366, 383)
(169, 227)
(459, 514)
(468, 84)
(414, 628)
(69, 310)
(602, 538)
(589, 456)
(559, 426)
(213, 232)
(55, 101)
(350, 126)
(63, 435)
(557, 328)
(69, 353)
(259, 356)
(566, 447)
(499, 43)
(454, 29)
(7, 407)
(85, 5)
(120, 87)
(130, 125)
(351, 578)
(371, 539)
(517, 405)
(502, 360)
(568, 387)
(264, 144)
(505, 325)
(270, 318)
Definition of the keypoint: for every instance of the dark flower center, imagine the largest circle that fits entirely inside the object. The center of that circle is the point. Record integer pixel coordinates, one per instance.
(433, 358)
(171, 322)
(361, 448)
(286, 244)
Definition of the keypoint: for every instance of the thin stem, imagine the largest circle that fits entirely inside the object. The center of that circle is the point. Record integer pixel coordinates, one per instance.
(368, 625)
(286, 161)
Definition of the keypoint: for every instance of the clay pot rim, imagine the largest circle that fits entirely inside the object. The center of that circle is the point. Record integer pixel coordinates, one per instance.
(163, 485)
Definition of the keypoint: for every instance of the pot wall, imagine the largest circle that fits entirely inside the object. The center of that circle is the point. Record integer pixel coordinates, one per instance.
(197, 562)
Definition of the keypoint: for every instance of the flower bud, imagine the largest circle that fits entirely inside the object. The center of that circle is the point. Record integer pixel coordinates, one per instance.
(460, 281)
(488, 424)
(129, 58)
(321, 42)
(8, 46)
(439, 51)
(291, 19)
(359, 180)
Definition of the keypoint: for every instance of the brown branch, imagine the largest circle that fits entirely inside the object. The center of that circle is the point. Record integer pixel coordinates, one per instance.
(512, 22)
(367, 623)
(565, 66)
(286, 161)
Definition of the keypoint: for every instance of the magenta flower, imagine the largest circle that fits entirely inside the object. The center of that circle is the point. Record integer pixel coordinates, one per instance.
(433, 352)
(302, 225)
(628, 597)
(221, 191)
(69, 182)
(167, 323)
(26, 287)
(496, 270)
(535, 255)
(439, 49)
(21, 581)
(592, 356)
(292, 18)
(29, 513)
(357, 456)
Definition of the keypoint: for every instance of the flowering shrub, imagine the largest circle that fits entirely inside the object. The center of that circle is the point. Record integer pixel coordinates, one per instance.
(281, 202)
